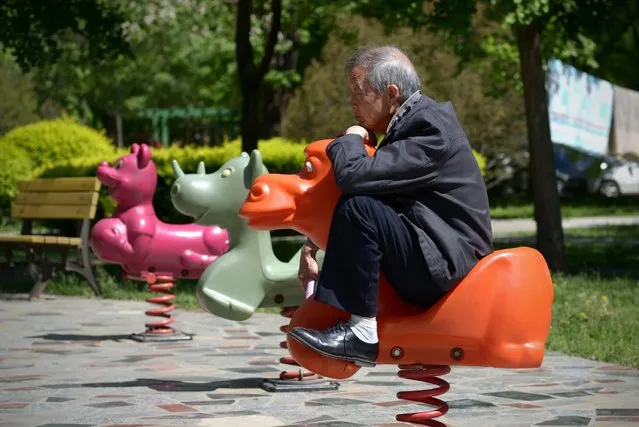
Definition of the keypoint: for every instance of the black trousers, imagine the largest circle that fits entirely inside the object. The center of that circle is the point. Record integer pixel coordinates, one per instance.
(367, 235)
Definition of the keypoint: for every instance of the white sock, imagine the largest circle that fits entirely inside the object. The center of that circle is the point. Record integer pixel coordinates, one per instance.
(364, 328)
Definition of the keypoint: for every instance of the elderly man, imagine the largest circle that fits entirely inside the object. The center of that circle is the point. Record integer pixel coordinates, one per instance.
(417, 209)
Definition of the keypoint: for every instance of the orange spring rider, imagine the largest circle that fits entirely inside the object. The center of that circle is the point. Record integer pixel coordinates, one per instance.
(300, 374)
(498, 316)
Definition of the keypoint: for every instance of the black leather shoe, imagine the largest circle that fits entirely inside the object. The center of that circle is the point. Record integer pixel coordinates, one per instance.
(338, 342)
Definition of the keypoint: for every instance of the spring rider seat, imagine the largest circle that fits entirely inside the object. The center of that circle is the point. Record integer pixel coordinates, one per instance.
(248, 275)
(498, 316)
(147, 248)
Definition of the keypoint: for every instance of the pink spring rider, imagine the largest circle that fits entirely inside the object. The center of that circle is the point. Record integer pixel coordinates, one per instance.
(147, 248)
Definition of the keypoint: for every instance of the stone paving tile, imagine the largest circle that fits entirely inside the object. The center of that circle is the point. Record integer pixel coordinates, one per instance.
(69, 361)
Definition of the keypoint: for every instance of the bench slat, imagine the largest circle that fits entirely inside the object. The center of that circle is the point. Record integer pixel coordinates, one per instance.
(84, 198)
(53, 211)
(60, 184)
(42, 239)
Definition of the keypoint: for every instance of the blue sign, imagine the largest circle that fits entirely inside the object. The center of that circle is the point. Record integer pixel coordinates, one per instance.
(579, 108)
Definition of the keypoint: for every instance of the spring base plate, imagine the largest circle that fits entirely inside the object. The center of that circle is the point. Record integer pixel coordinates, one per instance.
(151, 337)
(277, 385)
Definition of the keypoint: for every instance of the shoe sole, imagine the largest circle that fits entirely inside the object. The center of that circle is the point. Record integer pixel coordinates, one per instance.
(359, 362)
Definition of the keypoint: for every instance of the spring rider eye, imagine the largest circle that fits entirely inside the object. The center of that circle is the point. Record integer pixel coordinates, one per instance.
(497, 316)
(147, 248)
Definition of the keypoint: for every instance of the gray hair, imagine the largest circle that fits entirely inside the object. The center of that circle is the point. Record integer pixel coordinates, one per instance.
(386, 65)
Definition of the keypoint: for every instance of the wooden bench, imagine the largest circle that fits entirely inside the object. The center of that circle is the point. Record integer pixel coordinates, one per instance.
(54, 198)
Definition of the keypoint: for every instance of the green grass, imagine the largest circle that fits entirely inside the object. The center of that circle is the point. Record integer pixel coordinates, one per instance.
(605, 231)
(596, 319)
(598, 255)
(621, 231)
(582, 207)
(112, 284)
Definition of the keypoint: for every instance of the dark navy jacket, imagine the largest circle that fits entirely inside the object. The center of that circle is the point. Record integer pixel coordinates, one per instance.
(425, 169)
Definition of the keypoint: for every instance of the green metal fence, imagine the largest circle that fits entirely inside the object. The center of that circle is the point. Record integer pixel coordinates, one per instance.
(223, 122)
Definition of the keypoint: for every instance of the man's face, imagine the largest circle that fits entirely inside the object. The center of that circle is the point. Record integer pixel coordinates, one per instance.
(371, 110)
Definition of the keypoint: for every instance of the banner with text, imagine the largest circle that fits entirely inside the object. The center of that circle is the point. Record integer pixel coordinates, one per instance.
(579, 108)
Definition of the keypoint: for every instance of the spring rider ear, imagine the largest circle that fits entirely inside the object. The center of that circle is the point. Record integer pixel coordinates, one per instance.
(143, 156)
(254, 169)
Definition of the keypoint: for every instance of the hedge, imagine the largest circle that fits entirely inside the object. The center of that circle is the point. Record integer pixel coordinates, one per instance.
(279, 155)
(48, 142)
(16, 166)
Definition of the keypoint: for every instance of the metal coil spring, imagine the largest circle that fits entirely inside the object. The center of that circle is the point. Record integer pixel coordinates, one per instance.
(163, 285)
(429, 374)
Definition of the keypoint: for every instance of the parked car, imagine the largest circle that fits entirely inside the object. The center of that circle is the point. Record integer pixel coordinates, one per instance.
(617, 177)
(609, 176)
(577, 172)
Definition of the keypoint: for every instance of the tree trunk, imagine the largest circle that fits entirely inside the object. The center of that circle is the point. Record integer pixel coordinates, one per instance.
(274, 108)
(249, 122)
(252, 76)
(118, 129)
(550, 235)
(276, 98)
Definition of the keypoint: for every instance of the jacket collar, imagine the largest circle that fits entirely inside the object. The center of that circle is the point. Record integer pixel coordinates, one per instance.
(404, 108)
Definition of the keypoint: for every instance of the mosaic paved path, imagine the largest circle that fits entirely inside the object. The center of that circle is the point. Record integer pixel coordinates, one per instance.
(68, 361)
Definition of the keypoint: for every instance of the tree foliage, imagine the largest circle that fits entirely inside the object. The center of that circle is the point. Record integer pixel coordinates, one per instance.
(34, 30)
(18, 104)
(319, 108)
(181, 55)
(274, 45)
(617, 46)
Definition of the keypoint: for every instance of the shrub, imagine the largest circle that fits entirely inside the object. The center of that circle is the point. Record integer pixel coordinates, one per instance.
(16, 166)
(48, 142)
(279, 155)
(481, 161)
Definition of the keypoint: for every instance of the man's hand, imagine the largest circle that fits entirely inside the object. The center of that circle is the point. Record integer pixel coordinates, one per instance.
(357, 130)
(369, 137)
(308, 269)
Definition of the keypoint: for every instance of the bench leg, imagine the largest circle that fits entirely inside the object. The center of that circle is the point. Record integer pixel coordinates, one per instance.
(85, 269)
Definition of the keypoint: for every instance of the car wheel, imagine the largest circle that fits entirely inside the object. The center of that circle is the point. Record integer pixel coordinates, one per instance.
(609, 189)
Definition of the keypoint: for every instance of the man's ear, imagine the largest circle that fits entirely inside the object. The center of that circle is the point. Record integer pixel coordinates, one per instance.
(393, 92)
